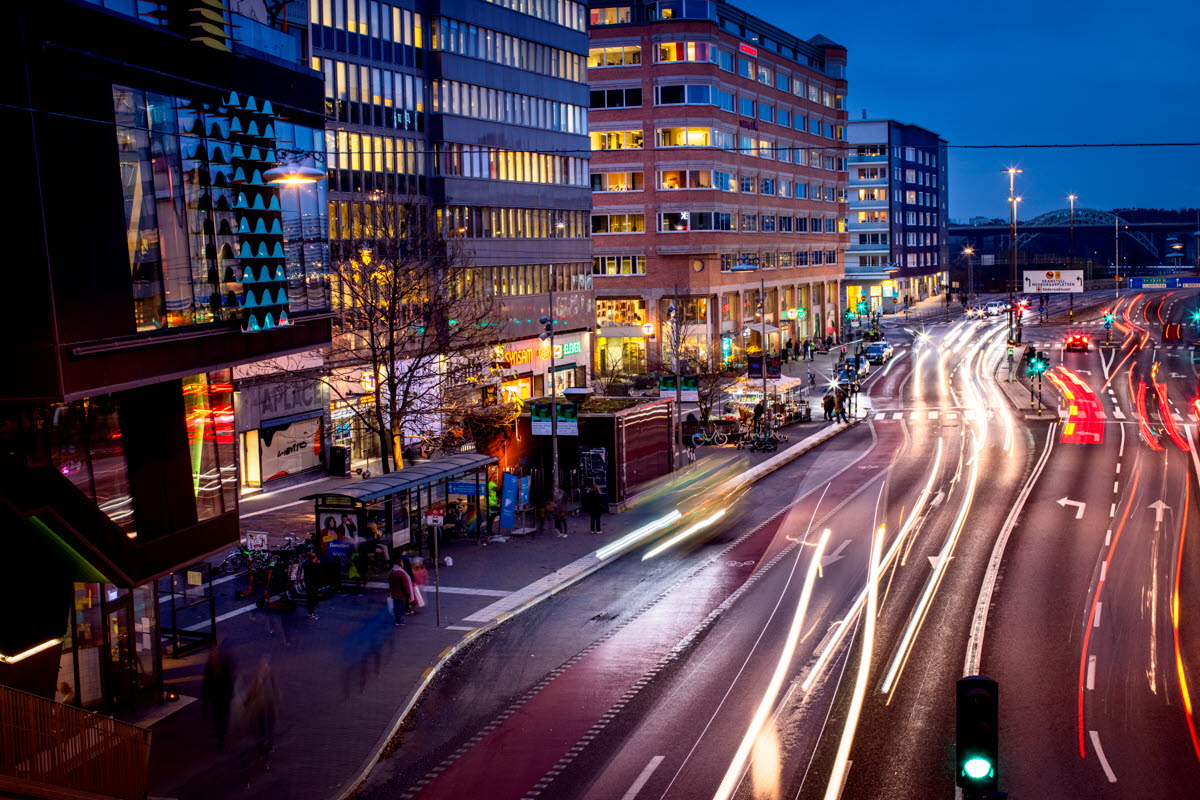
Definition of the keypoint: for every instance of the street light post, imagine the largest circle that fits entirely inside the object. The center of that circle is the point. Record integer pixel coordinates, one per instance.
(762, 310)
(676, 343)
(1071, 254)
(1117, 255)
(1012, 250)
(968, 252)
(548, 334)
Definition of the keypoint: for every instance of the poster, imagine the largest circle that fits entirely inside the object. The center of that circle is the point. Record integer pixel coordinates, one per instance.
(593, 467)
(508, 501)
(465, 488)
(523, 492)
(541, 424)
(754, 366)
(689, 389)
(568, 419)
(539, 419)
(774, 366)
(291, 448)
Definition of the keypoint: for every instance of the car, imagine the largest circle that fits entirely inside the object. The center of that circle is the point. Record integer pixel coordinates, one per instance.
(1076, 341)
(879, 352)
(977, 310)
(995, 308)
(860, 364)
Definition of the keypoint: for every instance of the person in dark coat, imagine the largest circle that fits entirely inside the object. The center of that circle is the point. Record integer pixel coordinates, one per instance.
(313, 578)
(593, 505)
(219, 680)
(827, 402)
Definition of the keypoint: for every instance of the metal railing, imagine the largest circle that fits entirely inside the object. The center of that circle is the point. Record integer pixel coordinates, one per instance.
(49, 749)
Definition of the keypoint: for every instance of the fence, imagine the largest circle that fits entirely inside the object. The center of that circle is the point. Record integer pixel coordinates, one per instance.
(52, 750)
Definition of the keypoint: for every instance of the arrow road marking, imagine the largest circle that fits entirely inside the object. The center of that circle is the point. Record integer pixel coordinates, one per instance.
(1159, 507)
(1079, 507)
(937, 498)
(935, 560)
(836, 555)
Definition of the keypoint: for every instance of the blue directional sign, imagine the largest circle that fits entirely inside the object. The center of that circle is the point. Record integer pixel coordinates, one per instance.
(1108, 326)
(1164, 283)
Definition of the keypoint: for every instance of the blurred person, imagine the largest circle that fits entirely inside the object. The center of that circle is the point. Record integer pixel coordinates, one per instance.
(219, 680)
(593, 505)
(400, 591)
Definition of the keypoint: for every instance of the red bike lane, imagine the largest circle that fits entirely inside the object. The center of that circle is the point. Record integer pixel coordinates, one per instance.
(512, 758)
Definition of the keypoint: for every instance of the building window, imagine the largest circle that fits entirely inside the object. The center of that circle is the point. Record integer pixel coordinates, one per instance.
(614, 56)
(767, 186)
(766, 113)
(616, 98)
(686, 179)
(616, 182)
(620, 313)
(618, 15)
(801, 258)
(785, 118)
(816, 257)
(749, 184)
(768, 223)
(831, 257)
(616, 140)
(618, 223)
(765, 75)
(749, 222)
(681, 9)
(685, 94)
(618, 265)
(686, 51)
(680, 221)
(745, 69)
(685, 137)
(746, 107)
(785, 224)
(473, 41)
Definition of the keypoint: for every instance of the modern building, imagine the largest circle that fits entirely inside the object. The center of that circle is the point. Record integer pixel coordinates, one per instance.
(718, 169)
(477, 110)
(158, 255)
(898, 215)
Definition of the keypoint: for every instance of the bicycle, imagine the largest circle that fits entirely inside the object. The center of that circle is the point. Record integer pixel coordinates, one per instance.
(242, 557)
(709, 437)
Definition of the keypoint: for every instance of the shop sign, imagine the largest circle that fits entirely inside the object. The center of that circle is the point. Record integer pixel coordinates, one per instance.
(567, 349)
(288, 449)
(435, 517)
(518, 357)
(747, 49)
(726, 349)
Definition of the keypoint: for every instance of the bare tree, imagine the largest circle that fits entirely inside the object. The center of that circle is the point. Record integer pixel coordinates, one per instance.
(414, 315)
(713, 381)
(611, 377)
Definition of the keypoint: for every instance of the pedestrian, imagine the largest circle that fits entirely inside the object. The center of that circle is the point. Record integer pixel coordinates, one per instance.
(827, 402)
(219, 679)
(593, 504)
(314, 577)
(812, 378)
(559, 510)
(260, 712)
(839, 406)
(400, 591)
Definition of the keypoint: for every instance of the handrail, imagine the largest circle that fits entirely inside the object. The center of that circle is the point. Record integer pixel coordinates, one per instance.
(51, 746)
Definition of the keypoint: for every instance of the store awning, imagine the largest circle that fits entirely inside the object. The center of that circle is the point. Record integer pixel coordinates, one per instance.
(409, 478)
(758, 328)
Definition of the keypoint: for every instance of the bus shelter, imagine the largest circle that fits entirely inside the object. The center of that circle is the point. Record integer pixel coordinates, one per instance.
(395, 509)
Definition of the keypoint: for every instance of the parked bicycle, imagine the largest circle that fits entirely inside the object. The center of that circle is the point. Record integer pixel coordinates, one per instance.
(709, 437)
(242, 557)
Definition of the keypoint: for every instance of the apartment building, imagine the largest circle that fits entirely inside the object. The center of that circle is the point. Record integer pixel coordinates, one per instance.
(898, 215)
(719, 178)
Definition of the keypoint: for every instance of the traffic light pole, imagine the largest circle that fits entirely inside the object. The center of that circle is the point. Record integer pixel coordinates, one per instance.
(1039, 394)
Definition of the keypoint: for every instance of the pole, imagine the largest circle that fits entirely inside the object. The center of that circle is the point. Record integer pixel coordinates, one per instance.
(1116, 256)
(553, 402)
(1039, 394)
(676, 344)
(1071, 255)
(762, 302)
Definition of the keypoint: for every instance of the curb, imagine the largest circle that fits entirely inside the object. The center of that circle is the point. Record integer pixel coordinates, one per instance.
(762, 470)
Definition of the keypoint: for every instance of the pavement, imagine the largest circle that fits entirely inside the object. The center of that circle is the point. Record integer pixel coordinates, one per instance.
(344, 682)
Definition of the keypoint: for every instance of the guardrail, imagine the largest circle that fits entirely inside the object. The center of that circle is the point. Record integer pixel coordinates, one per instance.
(53, 750)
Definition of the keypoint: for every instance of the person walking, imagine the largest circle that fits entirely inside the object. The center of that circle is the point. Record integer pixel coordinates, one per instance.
(839, 406)
(827, 402)
(559, 510)
(219, 680)
(400, 591)
(313, 572)
(593, 504)
(260, 712)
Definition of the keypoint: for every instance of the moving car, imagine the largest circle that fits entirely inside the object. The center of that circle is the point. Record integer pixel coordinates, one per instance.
(1076, 341)
(879, 352)
(862, 364)
(977, 310)
(996, 308)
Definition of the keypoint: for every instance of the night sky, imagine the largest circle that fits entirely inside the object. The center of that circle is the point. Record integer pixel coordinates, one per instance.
(1028, 72)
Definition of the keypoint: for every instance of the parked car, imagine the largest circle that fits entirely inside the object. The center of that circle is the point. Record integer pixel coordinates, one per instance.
(879, 352)
(861, 364)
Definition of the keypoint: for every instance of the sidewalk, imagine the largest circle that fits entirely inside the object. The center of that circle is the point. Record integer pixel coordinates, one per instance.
(343, 679)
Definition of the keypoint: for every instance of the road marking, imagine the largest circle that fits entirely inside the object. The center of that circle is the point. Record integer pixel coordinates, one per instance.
(1118, 413)
(1118, 468)
(933, 415)
(1115, 487)
(643, 778)
(459, 628)
(1112, 512)
(1121, 452)
(1107, 539)
(898, 415)
(1091, 673)
(1096, 624)
(1079, 507)
(835, 556)
(1100, 754)
(1104, 566)
(914, 415)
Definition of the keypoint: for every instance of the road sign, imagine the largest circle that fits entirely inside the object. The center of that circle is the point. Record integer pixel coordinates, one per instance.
(1164, 283)
(1108, 326)
(1041, 309)
(1053, 280)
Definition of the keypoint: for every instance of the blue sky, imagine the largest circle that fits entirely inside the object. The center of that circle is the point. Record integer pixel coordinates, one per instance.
(1026, 71)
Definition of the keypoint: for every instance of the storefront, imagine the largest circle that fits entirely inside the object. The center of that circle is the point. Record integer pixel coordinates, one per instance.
(281, 428)
(529, 360)
(110, 655)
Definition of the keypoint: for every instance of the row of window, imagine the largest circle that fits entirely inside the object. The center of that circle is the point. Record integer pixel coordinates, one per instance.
(682, 221)
(770, 260)
(493, 163)
(922, 218)
(525, 279)
(496, 105)
(370, 153)
(920, 239)
(782, 151)
(917, 155)
(398, 98)
(722, 181)
(485, 222)
(920, 177)
(870, 173)
(914, 198)
(618, 313)
(368, 18)
(567, 13)
(473, 41)
(618, 265)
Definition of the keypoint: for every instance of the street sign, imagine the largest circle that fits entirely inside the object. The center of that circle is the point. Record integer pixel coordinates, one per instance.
(1164, 283)
(1108, 326)
(1053, 280)
(1041, 309)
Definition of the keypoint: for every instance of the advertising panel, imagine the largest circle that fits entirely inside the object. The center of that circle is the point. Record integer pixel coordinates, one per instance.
(291, 448)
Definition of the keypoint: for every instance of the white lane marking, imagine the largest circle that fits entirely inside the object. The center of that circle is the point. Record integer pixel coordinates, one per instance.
(933, 415)
(914, 415)
(1115, 487)
(459, 628)
(898, 415)
(1112, 778)
(1121, 452)
(1099, 606)
(641, 779)
(1103, 575)
(1112, 512)
(1118, 413)
(1091, 673)
(1118, 468)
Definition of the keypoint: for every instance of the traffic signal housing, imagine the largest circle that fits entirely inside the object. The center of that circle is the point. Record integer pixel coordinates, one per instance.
(1038, 365)
(977, 716)
(1109, 316)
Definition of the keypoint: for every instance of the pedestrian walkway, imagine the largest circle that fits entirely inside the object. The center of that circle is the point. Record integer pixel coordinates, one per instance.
(344, 678)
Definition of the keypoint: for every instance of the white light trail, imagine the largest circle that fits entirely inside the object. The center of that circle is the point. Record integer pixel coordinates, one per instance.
(632, 538)
(685, 533)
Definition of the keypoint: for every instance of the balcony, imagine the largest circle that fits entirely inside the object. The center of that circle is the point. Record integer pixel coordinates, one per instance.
(881, 225)
(857, 159)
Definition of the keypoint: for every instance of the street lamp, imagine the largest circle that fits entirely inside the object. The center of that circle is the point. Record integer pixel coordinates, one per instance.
(1012, 252)
(548, 334)
(968, 252)
(1071, 252)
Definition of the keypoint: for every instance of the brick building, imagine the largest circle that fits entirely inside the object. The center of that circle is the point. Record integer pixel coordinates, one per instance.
(718, 166)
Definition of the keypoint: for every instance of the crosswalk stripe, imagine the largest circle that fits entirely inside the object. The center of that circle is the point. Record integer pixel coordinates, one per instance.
(933, 415)
(898, 415)
(914, 415)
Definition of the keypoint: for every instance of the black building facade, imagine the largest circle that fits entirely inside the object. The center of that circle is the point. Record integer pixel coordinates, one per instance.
(156, 254)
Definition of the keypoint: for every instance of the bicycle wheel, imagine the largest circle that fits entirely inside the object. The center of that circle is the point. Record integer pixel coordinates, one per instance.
(697, 439)
(232, 563)
(720, 438)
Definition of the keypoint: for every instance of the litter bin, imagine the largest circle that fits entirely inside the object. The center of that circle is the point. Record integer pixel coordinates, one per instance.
(339, 461)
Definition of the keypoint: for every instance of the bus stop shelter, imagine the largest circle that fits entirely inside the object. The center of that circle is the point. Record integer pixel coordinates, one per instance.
(449, 493)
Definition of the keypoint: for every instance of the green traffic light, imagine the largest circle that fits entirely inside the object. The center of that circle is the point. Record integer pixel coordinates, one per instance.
(977, 768)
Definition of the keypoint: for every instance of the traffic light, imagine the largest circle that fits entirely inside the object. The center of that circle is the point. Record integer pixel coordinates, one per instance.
(1196, 317)
(977, 735)
(1038, 364)
(1109, 316)
(849, 314)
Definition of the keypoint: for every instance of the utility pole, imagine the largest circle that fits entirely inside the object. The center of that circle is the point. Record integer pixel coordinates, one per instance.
(1117, 255)
(1071, 254)
(1012, 260)
(676, 343)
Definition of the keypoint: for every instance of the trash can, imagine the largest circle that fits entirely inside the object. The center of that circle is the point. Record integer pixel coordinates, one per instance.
(339, 461)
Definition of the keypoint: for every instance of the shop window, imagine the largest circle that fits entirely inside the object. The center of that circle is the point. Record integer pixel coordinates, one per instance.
(620, 313)
(87, 447)
(618, 15)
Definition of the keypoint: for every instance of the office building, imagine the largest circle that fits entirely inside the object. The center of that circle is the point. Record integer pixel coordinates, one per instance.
(898, 201)
(718, 168)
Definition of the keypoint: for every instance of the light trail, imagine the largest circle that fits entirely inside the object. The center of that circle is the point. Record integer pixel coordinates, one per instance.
(917, 618)
(838, 775)
(632, 538)
(834, 642)
(733, 775)
(685, 533)
(1179, 670)
(1087, 630)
